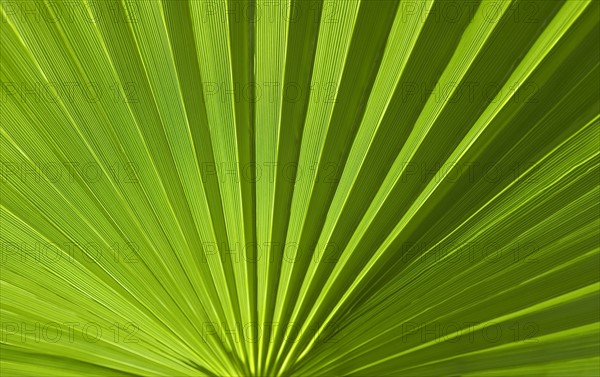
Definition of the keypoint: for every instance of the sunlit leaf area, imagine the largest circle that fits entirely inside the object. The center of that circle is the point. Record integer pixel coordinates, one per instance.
(300, 188)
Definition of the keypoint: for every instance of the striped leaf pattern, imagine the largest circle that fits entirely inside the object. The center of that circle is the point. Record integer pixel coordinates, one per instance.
(300, 187)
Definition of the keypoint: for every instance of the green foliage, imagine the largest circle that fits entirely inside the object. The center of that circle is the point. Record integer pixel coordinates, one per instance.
(300, 188)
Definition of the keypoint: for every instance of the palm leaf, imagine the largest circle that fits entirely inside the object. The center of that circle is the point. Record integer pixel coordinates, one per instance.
(304, 187)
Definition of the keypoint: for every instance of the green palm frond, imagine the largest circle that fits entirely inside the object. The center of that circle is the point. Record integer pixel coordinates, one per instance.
(300, 188)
